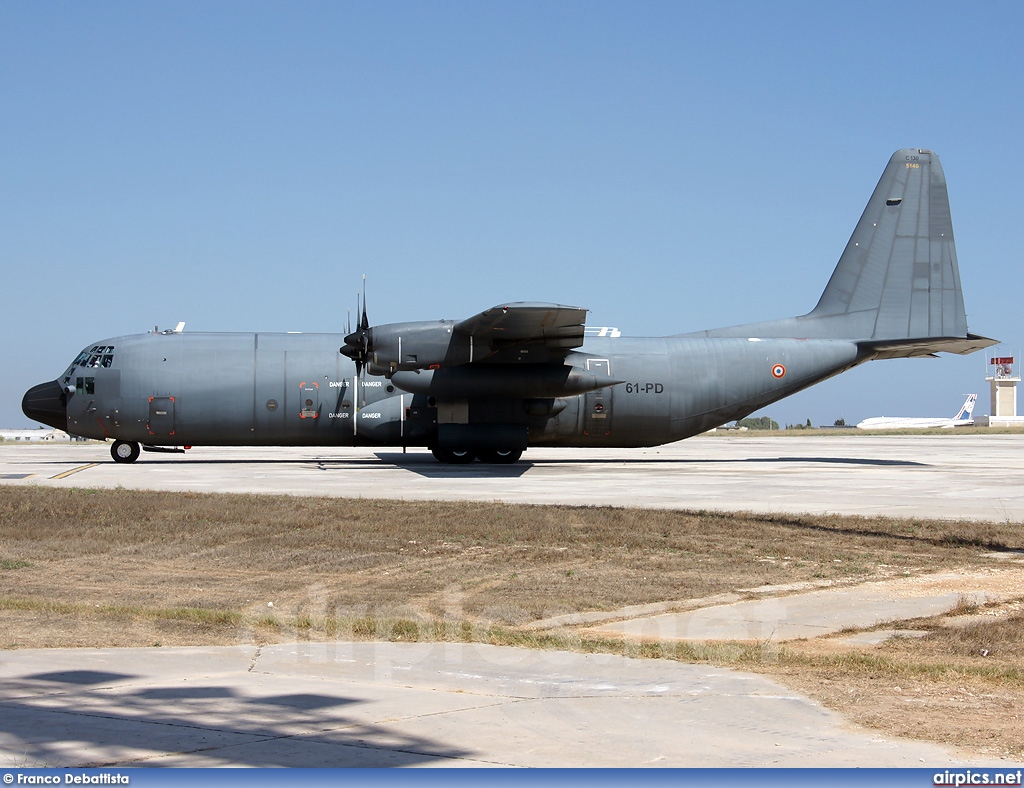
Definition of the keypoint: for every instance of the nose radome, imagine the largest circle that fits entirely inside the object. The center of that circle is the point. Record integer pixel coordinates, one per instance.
(47, 403)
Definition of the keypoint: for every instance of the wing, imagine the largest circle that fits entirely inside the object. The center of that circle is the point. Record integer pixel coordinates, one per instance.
(521, 332)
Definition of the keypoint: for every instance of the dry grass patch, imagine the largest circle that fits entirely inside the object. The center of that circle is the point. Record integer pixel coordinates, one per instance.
(957, 685)
(494, 563)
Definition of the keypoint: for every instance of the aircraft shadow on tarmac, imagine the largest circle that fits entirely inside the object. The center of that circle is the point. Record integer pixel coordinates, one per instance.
(301, 730)
(428, 467)
(425, 465)
(836, 461)
(84, 678)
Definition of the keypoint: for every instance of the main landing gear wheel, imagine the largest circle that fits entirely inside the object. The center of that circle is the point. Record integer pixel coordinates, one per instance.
(452, 456)
(500, 456)
(125, 451)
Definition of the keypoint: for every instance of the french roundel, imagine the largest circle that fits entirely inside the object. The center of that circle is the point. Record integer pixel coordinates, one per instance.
(778, 371)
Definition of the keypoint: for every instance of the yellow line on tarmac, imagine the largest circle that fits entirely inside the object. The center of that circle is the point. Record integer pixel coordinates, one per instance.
(75, 470)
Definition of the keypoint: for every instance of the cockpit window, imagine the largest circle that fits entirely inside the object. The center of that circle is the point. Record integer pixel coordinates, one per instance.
(96, 357)
(85, 386)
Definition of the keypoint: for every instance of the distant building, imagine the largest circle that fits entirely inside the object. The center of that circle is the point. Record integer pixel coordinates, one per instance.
(36, 436)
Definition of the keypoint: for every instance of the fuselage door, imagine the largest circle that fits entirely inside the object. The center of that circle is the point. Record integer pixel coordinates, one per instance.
(597, 405)
(161, 416)
(309, 400)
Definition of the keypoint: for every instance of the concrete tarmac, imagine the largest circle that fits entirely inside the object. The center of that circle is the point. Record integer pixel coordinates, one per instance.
(976, 477)
(417, 704)
(467, 705)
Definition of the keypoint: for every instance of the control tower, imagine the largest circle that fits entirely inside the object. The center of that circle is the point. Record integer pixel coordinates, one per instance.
(1003, 379)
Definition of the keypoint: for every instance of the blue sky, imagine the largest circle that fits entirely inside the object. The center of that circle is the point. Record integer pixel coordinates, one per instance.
(669, 166)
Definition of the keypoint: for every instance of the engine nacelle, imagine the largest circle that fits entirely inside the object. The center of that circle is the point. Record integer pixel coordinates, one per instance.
(420, 345)
(392, 347)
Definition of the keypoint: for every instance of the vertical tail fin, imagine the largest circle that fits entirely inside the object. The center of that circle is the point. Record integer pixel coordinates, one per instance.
(967, 410)
(898, 277)
(896, 289)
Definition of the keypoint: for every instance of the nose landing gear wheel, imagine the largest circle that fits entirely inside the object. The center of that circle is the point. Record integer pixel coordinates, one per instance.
(125, 451)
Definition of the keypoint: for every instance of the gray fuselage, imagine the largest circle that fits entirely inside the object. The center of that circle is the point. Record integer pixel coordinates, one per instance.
(191, 389)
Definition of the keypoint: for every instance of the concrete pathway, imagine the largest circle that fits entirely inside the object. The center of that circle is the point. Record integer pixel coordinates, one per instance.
(390, 704)
(823, 612)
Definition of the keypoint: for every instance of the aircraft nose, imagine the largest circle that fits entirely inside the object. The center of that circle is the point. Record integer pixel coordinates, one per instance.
(47, 403)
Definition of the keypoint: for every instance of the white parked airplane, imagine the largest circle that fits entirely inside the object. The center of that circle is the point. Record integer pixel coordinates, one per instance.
(961, 419)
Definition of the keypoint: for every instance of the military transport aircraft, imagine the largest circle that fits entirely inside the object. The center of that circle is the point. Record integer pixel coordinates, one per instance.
(526, 374)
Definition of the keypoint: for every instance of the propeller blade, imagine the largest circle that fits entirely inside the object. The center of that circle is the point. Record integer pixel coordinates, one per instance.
(359, 343)
(365, 323)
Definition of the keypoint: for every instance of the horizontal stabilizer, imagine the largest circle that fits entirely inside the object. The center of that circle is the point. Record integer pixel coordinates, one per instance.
(896, 348)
